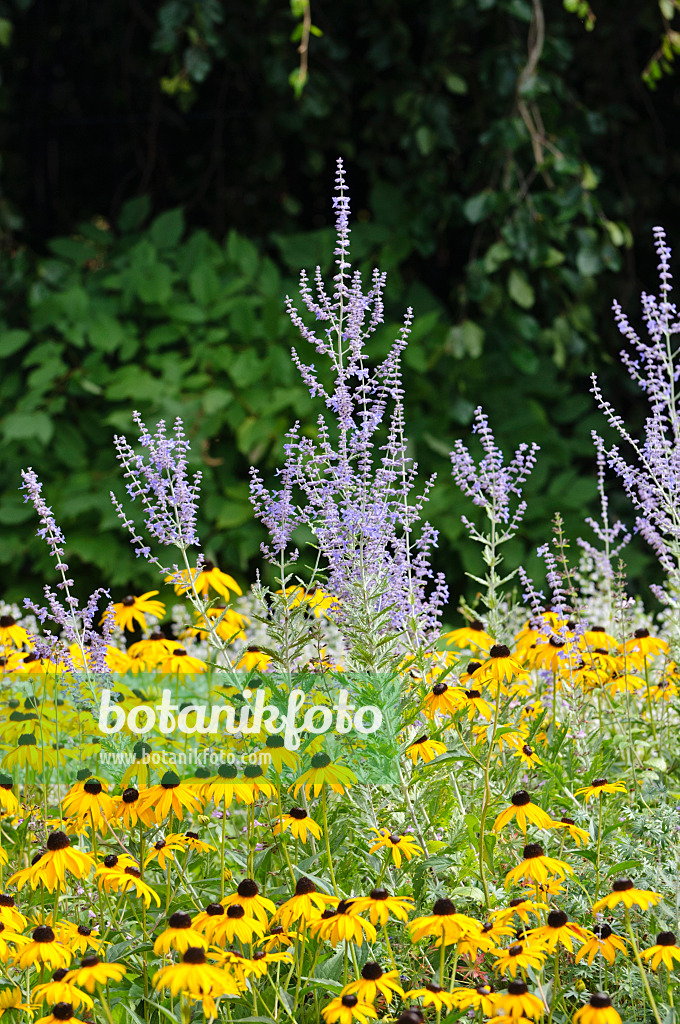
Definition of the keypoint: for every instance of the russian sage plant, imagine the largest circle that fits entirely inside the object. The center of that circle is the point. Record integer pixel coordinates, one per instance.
(353, 485)
(652, 478)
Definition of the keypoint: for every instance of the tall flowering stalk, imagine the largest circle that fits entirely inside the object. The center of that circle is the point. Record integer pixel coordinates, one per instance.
(492, 485)
(158, 479)
(652, 479)
(353, 484)
(76, 625)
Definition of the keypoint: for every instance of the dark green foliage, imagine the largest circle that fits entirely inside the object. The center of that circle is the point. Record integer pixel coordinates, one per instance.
(498, 173)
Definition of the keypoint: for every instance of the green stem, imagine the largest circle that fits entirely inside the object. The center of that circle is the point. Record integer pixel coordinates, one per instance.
(636, 954)
(326, 836)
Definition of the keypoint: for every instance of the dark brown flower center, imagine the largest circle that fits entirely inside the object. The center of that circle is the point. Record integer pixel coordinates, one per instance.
(62, 1011)
(194, 955)
(298, 813)
(304, 887)
(236, 911)
(180, 919)
(349, 1000)
(247, 888)
(665, 939)
(622, 885)
(90, 961)
(517, 988)
(499, 651)
(520, 799)
(371, 971)
(58, 841)
(439, 688)
(43, 933)
(443, 908)
(557, 919)
(130, 795)
(379, 894)
(214, 910)
(532, 850)
(600, 1000)
(515, 949)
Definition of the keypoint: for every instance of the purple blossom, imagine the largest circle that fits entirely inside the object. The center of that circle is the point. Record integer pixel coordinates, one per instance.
(353, 483)
(652, 479)
(159, 481)
(77, 626)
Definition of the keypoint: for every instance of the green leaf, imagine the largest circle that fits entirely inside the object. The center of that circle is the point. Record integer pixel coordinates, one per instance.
(133, 213)
(6, 29)
(105, 332)
(12, 341)
(204, 285)
(466, 339)
(519, 289)
(22, 426)
(455, 84)
(167, 229)
(476, 207)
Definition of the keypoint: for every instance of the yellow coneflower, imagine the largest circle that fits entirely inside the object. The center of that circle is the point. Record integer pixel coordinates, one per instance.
(235, 924)
(112, 877)
(522, 810)
(298, 823)
(157, 802)
(253, 659)
(93, 972)
(179, 934)
(496, 930)
(248, 896)
(374, 982)
(665, 949)
(473, 636)
(279, 755)
(254, 777)
(89, 803)
(598, 1010)
(399, 845)
(324, 773)
(479, 998)
(642, 643)
(517, 1003)
(536, 867)
(432, 995)
(501, 666)
(43, 948)
(558, 928)
(29, 754)
(278, 938)
(207, 920)
(425, 749)
(556, 655)
(11, 633)
(164, 852)
(380, 905)
(599, 786)
(337, 925)
(442, 698)
(602, 942)
(473, 703)
(307, 904)
(8, 801)
(131, 610)
(190, 841)
(224, 788)
(9, 939)
(62, 1013)
(444, 922)
(53, 992)
(150, 652)
(623, 891)
(9, 915)
(517, 956)
(193, 975)
(258, 964)
(528, 757)
(347, 1009)
(204, 578)
(76, 936)
(58, 858)
(579, 835)
(179, 663)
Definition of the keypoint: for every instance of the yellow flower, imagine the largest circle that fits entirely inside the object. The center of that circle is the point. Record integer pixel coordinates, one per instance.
(89, 804)
(306, 904)
(62, 1013)
(235, 924)
(501, 665)
(598, 1011)
(43, 949)
(444, 922)
(432, 995)
(518, 1001)
(579, 835)
(380, 905)
(602, 942)
(442, 698)
(208, 576)
(193, 976)
(164, 852)
(298, 822)
(12, 633)
(150, 652)
(346, 1009)
(480, 998)
(558, 929)
(473, 702)
(645, 644)
(10, 916)
(470, 637)
(93, 972)
(515, 956)
(528, 756)
(396, 843)
(425, 749)
(178, 935)
(598, 786)
(536, 866)
(29, 754)
(338, 925)
(666, 949)
(131, 610)
(10, 999)
(171, 796)
(522, 809)
(122, 879)
(248, 896)
(323, 772)
(179, 663)
(253, 659)
(623, 891)
(58, 858)
(375, 982)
